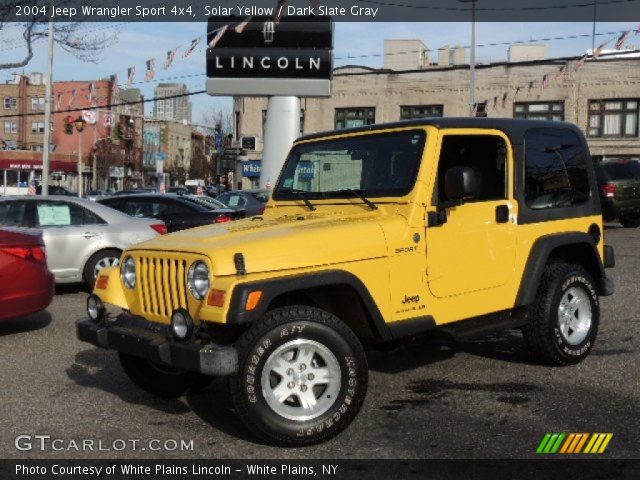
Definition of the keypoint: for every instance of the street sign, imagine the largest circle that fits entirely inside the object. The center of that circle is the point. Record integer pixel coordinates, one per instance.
(234, 151)
(251, 168)
(108, 119)
(89, 116)
(292, 58)
(161, 156)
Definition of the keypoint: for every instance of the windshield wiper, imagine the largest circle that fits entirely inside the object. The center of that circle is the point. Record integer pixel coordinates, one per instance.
(303, 196)
(360, 194)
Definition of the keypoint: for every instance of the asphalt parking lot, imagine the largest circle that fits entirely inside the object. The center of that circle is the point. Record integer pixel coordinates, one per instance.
(480, 399)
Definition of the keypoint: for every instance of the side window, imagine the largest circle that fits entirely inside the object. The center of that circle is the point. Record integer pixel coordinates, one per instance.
(14, 214)
(487, 154)
(236, 201)
(173, 208)
(53, 214)
(82, 216)
(140, 208)
(555, 169)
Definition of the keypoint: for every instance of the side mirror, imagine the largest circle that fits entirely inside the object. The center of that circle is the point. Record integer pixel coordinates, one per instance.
(462, 183)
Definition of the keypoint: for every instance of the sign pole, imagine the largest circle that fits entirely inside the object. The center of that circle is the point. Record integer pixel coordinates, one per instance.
(281, 129)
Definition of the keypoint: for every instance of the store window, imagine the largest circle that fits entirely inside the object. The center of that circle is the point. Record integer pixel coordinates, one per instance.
(10, 103)
(410, 112)
(10, 127)
(539, 110)
(355, 117)
(613, 118)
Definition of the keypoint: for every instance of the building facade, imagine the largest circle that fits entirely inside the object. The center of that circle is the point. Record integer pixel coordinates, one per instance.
(601, 96)
(24, 95)
(174, 109)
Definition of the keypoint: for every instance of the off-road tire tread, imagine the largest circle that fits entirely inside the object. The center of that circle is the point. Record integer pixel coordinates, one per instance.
(536, 334)
(270, 321)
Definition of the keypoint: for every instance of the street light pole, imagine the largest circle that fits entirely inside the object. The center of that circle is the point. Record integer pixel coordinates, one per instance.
(47, 115)
(472, 59)
(80, 164)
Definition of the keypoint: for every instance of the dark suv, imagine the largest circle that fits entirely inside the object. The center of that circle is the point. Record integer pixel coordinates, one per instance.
(619, 184)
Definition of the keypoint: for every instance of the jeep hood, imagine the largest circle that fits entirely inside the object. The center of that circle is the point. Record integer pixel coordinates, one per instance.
(281, 243)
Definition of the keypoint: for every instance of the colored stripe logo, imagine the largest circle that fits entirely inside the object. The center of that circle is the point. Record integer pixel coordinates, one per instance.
(573, 443)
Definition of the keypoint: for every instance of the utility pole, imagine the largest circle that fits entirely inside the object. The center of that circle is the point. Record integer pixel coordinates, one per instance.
(472, 59)
(47, 115)
(593, 32)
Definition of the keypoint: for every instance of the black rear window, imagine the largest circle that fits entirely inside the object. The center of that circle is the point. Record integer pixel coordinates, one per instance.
(629, 170)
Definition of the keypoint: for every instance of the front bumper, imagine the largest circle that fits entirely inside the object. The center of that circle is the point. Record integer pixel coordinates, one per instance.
(141, 338)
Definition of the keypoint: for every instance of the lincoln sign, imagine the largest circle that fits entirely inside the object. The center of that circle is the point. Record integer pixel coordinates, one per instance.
(292, 57)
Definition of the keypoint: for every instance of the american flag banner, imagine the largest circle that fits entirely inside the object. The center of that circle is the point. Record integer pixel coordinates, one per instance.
(505, 97)
(74, 94)
(495, 101)
(545, 82)
(581, 62)
(192, 47)
(115, 88)
(279, 11)
(622, 39)
(531, 85)
(517, 92)
(216, 38)
(151, 69)
(561, 72)
(242, 25)
(131, 74)
(32, 187)
(171, 56)
(598, 50)
(91, 90)
(59, 101)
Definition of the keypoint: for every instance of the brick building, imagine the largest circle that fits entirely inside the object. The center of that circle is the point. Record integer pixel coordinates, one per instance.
(601, 96)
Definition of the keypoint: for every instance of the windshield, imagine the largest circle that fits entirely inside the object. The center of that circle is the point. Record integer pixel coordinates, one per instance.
(629, 170)
(378, 165)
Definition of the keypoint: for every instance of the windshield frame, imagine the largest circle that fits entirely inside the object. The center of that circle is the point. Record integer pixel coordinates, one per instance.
(281, 193)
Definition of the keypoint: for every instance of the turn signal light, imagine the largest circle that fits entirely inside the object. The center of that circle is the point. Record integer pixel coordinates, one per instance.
(253, 299)
(103, 282)
(161, 228)
(216, 298)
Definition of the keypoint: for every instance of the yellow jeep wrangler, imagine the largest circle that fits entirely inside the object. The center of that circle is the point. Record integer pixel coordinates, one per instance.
(372, 234)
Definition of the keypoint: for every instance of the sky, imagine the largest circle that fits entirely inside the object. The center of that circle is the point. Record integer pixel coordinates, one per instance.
(137, 42)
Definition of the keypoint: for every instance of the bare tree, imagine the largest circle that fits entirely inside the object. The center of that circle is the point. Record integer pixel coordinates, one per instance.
(73, 37)
(215, 117)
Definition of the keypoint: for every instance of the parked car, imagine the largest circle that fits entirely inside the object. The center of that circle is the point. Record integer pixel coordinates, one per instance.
(176, 212)
(81, 236)
(133, 191)
(207, 201)
(94, 195)
(253, 201)
(619, 185)
(57, 190)
(26, 284)
(178, 190)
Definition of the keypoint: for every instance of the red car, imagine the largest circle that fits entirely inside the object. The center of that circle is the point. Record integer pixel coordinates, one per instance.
(26, 284)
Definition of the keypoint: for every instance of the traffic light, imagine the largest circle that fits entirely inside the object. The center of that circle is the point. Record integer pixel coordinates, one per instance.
(68, 125)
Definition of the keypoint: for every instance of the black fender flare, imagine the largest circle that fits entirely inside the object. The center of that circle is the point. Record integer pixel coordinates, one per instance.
(539, 256)
(273, 287)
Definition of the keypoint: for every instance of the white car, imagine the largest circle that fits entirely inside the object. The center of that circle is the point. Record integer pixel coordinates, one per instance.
(81, 237)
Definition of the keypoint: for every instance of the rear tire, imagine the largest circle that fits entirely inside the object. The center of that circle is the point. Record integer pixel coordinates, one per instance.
(630, 222)
(302, 376)
(161, 380)
(109, 257)
(565, 316)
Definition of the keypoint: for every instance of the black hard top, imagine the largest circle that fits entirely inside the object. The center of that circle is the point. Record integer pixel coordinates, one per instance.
(514, 128)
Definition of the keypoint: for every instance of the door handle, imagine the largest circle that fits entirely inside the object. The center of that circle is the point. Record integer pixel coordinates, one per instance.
(502, 214)
(89, 234)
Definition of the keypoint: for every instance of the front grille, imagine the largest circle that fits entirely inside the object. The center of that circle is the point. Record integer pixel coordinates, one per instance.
(163, 286)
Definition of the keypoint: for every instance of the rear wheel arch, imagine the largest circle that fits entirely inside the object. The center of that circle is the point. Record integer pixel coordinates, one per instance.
(572, 247)
(88, 266)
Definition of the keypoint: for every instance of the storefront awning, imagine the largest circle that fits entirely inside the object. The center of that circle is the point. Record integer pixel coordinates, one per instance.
(14, 160)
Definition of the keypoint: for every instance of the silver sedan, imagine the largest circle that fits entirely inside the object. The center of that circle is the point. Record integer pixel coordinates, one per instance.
(81, 237)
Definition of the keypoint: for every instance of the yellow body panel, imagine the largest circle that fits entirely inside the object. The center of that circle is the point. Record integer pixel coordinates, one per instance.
(468, 267)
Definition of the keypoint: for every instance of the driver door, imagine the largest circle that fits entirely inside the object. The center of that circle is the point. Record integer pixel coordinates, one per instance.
(473, 247)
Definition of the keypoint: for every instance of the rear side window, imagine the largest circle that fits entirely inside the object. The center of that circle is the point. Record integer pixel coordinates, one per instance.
(14, 214)
(555, 169)
(234, 200)
(60, 214)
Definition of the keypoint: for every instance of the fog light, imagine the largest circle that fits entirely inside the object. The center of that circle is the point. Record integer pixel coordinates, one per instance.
(181, 324)
(95, 308)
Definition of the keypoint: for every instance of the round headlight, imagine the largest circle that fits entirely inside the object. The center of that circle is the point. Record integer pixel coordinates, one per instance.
(128, 272)
(181, 324)
(95, 308)
(198, 279)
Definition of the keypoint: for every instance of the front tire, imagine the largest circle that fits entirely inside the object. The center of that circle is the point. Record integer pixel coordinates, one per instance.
(630, 222)
(161, 380)
(302, 376)
(565, 316)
